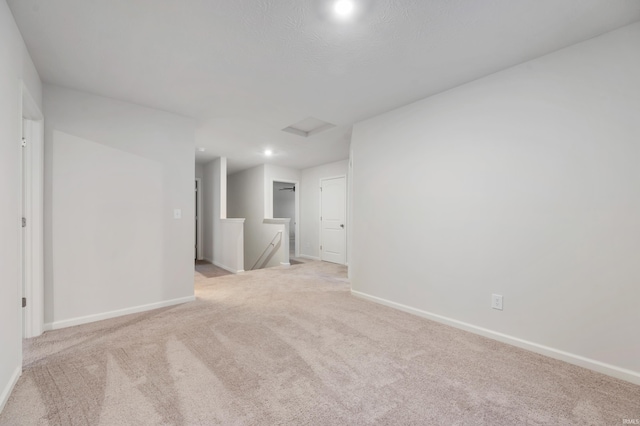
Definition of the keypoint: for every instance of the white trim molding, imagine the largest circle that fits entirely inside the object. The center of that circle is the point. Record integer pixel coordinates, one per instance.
(233, 220)
(225, 267)
(117, 313)
(580, 361)
(306, 256)
(6, 392)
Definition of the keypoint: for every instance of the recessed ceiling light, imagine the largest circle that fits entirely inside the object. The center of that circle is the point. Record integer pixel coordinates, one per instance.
(268, 153)
(201, 149)
(343, 8)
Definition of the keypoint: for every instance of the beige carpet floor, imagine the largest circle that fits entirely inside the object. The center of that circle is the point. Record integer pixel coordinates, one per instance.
(205, 269)
(291, 346)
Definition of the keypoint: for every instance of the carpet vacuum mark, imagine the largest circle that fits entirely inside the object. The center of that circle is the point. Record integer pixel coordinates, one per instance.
(290, 345)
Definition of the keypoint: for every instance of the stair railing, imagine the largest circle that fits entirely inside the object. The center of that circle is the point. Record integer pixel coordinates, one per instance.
(271, 245)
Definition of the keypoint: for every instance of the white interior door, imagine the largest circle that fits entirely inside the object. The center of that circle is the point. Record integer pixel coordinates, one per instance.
(333, 233)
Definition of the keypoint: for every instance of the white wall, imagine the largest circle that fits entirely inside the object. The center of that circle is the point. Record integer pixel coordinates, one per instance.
(524, 183)
(230, 256)
(250, 196)
(199, 171)
(223, 238)
(245, 199)
(310, 205)
(15, 66)
(114, 173)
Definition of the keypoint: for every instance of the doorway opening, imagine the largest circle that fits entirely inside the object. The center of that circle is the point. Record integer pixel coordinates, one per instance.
(285, 205)
(32, 217)
(198, 220)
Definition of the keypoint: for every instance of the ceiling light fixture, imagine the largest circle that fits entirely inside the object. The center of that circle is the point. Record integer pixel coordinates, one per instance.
(268, 153)
(343, 8)
(201, 149)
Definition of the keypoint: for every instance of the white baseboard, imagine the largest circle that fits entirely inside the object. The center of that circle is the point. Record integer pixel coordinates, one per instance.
(591, 364)
(6, 392)
(285, 263)
(225, 267)
(118, 313)
(306, 256)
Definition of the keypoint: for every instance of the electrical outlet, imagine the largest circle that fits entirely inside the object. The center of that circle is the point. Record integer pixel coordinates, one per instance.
(496, 301)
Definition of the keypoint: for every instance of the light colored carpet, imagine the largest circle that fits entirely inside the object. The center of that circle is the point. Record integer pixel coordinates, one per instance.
(205, 269)
(292, 346)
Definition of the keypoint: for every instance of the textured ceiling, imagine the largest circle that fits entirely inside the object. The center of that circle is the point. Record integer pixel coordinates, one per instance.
(248, 68)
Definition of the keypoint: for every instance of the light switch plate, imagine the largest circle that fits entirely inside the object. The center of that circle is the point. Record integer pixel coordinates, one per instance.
(177, 214)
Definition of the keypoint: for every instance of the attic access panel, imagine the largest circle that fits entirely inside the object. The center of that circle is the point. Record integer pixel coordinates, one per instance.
(308, 127)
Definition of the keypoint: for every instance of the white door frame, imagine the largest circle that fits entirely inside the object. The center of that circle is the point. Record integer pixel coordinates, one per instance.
(32, 195)
(199, 255)
(297, 208)
(346, 215)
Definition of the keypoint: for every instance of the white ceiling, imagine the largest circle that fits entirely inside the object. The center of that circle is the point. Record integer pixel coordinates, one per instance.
(248, 68)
